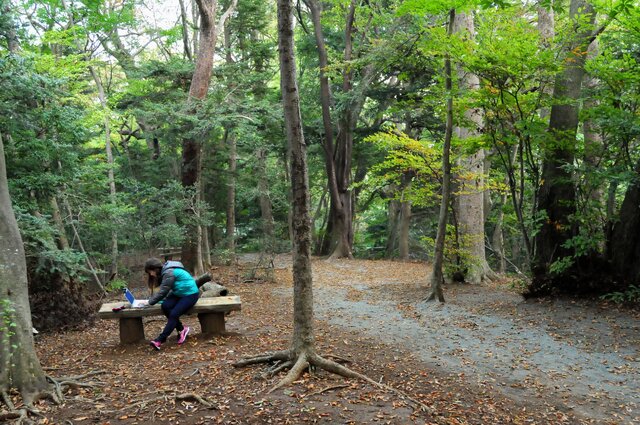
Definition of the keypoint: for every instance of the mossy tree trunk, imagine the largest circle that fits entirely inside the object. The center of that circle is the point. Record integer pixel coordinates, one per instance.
(19, 364)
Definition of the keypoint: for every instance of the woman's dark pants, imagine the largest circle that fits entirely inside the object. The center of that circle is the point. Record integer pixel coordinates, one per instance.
(173, 307)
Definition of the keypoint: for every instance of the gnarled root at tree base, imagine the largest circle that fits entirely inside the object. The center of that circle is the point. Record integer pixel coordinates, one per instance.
(298, 363)
(54, 392)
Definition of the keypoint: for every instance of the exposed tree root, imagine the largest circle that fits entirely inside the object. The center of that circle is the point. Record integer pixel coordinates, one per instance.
(7, 401)
(306, 360)
(277, 367)
(265, 358)
(196, 397)
(23, 414)
(9, 415)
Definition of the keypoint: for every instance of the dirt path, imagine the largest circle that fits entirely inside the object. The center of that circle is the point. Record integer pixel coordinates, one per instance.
(578, 357)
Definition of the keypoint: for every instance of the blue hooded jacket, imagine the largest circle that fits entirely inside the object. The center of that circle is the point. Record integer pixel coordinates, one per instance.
(175, 279)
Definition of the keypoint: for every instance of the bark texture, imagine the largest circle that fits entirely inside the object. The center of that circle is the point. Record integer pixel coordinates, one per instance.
(303, 340)
(469, 202)
(557, 196)
(19, 364)
(404, 224)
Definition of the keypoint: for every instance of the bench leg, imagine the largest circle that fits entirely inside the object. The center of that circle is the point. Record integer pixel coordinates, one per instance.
(211, 323)
(131, 330)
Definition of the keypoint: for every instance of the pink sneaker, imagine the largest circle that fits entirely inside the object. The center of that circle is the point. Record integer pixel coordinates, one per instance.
(155, 344)
(183, 335)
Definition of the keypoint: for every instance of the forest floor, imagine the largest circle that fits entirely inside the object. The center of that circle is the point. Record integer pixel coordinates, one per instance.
(486, 356)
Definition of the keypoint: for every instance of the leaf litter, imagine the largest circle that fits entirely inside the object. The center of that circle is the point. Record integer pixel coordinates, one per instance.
(484, 357)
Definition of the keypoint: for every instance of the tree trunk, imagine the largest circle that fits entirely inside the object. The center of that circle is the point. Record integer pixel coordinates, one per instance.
(437, 276)
(19, 364)
(191, 146)
(393, 213)
(266, 210)
(557, 195)
(403, 236)
(339, 212)
(63, 242)
(231, 194)
(338, 157)
(593, 140)
(470, 200)
(624, 245)
(199, 267)
(303, 339)
(185, 31)
(111, 177)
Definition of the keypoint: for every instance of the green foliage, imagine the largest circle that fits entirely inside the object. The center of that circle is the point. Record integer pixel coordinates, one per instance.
(54, 128)
(631, 295)
(457, 257)
(116, 285)
(44, 257)
(409, 171)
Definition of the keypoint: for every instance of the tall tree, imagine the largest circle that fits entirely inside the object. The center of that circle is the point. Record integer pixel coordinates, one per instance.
(437, 275)
(110, 163)
(19, 364)
(469, 201)
(302, 352)
(338, 149)
(557, 196)
(192, 143)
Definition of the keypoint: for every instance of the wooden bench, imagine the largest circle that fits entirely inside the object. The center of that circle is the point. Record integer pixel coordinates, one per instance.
(210, 311)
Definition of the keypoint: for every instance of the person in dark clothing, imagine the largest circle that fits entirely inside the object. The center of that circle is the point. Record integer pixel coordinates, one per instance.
(178, 292)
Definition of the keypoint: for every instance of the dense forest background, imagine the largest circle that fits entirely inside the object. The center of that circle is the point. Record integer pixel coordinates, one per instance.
(511, 126)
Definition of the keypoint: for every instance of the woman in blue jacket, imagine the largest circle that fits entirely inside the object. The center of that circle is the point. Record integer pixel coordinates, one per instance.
(178, 292)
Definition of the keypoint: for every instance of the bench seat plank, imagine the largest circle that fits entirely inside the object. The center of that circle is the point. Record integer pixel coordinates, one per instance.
(204, 305)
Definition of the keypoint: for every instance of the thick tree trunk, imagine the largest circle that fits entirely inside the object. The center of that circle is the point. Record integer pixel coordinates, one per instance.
(437, 275)
(557, 196)
(191, 146)
(339, 227)
(19, 364)
(303, 339)
(470, 200)
(338, 157)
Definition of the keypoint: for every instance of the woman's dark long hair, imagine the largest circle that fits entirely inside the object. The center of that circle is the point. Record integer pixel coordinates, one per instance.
(153, 264)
